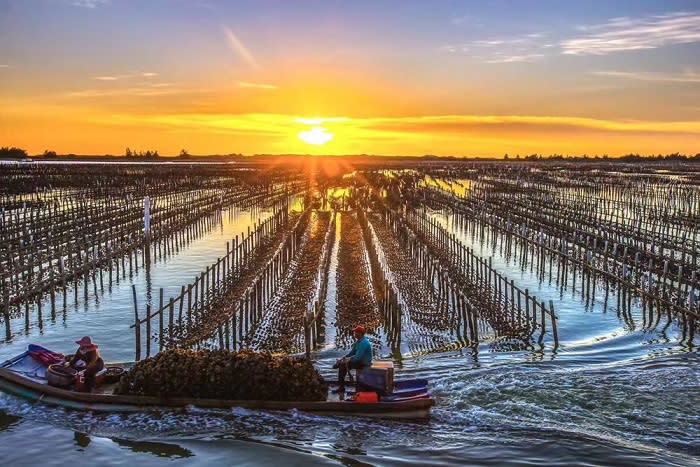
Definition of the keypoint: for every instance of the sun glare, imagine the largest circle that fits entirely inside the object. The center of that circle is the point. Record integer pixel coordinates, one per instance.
(316, 135)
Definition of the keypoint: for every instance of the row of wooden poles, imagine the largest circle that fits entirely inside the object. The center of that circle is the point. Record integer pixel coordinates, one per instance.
(28, 182)
(314, 319)
(86, 238)
(114, 270)
(624, 186)
(448, 265)
(592, 272)
(597, 258)
(652, 213)
(425, 316)
(199, 301)
(458, 271)
(240, 320)
(650, 219)
(655, 236)
(109, 270)
(386, 292)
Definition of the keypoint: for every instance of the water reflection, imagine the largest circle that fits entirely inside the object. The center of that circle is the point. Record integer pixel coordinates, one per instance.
(168, 450)
(7, 420)
(81, 439)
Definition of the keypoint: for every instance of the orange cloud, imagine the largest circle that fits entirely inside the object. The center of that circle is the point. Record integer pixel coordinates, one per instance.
(90, 130)
(247, 84)
(528, 124)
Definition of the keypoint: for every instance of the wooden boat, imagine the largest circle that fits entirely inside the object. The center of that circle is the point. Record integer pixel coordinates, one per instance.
(24, 376)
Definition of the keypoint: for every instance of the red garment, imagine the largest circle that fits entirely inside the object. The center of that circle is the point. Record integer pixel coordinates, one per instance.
(47, 357)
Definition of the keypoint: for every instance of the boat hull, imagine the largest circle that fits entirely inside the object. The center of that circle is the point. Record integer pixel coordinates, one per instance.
(19, 385)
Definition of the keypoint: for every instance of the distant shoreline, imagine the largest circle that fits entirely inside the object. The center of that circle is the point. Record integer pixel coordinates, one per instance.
(359, 158)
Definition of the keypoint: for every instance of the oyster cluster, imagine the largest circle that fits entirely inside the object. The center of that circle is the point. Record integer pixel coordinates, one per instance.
(282, 327)
(222, 374)
(355, 298)
(209, 315)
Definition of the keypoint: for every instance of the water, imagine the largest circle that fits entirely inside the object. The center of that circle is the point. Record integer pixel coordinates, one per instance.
(501, 412)
(613, 394)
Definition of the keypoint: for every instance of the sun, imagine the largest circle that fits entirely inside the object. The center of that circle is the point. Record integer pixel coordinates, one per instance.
(316, 135)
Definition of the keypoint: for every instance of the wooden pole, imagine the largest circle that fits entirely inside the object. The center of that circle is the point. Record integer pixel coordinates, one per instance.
(148, 330)
(137, 326)
(555, 334)
(307, 337)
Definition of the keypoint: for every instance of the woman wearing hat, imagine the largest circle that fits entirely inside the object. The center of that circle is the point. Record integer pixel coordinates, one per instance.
(359, 357)
(87, 358)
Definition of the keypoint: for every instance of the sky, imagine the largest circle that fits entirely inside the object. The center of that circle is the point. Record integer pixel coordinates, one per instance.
(392, 77)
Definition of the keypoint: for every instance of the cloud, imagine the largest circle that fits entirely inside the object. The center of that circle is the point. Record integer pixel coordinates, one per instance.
(614, 35)
(519, 49)
(525, 125)
(247, 84)
(442, 134)
(492, 127)
(237, 46)
(156, 89)
(146, 74)
(90, 3)
(516, 58)
(274, 125)
(687, 76)
(5, 65)
(625, 33)
(320, 120)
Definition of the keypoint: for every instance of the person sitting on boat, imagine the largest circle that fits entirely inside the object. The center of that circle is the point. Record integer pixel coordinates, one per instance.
(360, 356)
(87, 358)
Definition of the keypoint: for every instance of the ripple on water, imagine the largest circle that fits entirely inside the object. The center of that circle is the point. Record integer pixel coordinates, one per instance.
(638, 406)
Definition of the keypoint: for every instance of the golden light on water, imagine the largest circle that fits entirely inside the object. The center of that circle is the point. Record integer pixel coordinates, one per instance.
(316, 135)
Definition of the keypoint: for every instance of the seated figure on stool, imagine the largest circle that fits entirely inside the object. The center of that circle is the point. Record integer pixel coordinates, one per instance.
(87, 358)
(359, 357)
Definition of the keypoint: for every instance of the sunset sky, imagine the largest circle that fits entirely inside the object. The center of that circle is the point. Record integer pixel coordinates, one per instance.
(466, 78)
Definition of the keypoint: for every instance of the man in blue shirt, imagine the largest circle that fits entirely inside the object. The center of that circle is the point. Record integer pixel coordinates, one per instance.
(359, 357)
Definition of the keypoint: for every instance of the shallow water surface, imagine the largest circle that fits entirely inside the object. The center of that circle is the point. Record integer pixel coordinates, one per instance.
(612, 394)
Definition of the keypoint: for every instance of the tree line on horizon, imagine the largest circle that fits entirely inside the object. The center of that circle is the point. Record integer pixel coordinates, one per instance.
(626, 157)
(7, 152)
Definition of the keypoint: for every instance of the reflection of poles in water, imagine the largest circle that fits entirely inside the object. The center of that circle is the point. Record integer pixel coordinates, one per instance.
(6, 315)
(166, 450)
(81, 439)
(147, 232)
(147, 268)
(147, 246)
(220, 213)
